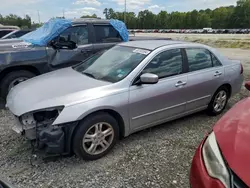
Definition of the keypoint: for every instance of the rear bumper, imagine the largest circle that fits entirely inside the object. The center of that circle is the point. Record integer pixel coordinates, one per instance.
(199, 177)
(237, 85)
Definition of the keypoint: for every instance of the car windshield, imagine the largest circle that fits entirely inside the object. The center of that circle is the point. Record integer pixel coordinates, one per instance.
(114, 64)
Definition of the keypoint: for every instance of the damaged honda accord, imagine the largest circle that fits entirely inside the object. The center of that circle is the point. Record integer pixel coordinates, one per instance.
(85, 109)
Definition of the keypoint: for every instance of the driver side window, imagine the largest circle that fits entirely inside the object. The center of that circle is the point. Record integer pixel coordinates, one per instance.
(165, 64)
(77, 34)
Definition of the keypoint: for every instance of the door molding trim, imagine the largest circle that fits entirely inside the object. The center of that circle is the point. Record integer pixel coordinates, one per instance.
(165, 120)
(207, 96)
(161, 110)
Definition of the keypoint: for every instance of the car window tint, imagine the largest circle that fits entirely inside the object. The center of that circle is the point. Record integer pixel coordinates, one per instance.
(4, 32)
(106, 33)
(21, 33)
(17, 34)
(78, 34)
(168, 63)
(216, 62)
(198, 59)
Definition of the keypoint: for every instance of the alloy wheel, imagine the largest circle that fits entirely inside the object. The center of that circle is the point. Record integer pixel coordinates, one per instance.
(98, 138)
(16, 81)
(220, 101)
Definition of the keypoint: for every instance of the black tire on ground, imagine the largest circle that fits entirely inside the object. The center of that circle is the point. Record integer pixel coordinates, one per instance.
(210, 110)
(10, 77)
(84, 126)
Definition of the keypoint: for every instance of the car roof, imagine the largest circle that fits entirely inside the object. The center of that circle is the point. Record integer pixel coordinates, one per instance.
(90, 20)
(151, 44)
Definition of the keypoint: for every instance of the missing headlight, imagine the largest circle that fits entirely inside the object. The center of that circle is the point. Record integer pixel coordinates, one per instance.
(47, 116)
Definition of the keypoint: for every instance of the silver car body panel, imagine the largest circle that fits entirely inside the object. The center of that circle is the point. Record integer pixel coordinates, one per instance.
(139, 106)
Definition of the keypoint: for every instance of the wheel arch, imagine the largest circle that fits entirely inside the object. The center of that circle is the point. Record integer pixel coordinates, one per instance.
(18, 68)
(228, 86)
(113, 113)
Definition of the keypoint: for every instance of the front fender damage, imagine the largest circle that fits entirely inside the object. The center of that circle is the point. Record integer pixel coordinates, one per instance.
(38, 128)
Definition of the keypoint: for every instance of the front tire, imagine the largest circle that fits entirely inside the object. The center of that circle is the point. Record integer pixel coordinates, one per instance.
(95, 136)
(218, 102)
(12, 79)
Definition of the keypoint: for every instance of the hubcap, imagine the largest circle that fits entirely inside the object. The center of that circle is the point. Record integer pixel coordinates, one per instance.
(220, 101)
(98, 138)
(16, 81)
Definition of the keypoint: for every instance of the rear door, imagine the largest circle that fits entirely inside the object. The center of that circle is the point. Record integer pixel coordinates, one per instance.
(106, 36)
(204, 78)
(68, 57)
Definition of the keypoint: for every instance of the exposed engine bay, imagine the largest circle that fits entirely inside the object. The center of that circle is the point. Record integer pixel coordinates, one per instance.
(39, 129)
(34, 122)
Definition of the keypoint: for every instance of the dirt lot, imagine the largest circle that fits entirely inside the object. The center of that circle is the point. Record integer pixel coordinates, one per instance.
(216, 40)
(157, 157)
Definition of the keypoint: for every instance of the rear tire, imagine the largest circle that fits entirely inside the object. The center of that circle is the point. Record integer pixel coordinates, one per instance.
(9, 80)
(91, 132)
(218, 102)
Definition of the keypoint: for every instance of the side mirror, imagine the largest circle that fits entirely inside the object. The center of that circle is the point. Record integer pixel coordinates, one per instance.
(247, 85)
(148, 78)
(62, 45)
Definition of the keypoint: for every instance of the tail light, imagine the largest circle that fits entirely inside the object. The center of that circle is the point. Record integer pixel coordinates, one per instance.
(241, 69)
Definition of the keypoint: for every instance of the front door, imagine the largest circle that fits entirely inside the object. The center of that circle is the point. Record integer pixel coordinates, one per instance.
(204, 77)
(153, 104)
(66, 57)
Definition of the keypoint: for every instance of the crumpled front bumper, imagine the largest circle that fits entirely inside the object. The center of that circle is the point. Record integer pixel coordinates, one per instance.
(28, 131)
(52, 139)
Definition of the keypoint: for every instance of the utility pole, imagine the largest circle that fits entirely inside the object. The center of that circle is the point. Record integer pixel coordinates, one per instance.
(125, 10)
(38, 14)
(63, 14)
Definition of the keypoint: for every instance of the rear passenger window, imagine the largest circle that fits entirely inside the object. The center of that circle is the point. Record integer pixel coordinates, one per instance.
(165, 64)
(198, 59)
(106, 33)
(216, 62)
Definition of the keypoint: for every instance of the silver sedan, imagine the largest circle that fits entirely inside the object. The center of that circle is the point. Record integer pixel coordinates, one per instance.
(135, 85)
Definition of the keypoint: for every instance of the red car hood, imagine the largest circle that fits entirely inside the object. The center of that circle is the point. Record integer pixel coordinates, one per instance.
(232, 132)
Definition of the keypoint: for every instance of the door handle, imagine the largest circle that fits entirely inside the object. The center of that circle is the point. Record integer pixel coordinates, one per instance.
(217, 73)
(180, 83)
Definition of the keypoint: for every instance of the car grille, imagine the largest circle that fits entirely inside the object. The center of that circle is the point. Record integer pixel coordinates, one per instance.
(237, 182)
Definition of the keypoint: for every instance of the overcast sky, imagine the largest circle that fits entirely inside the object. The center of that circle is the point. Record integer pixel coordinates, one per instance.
(77, 8)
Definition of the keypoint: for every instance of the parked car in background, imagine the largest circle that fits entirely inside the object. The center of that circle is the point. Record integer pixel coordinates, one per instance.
(121, 91)
(16, 34)
(20, 60)
(222, 159)
(208, 30)
(4, 32)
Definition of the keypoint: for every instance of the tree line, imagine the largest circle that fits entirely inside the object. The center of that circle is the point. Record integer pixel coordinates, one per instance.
(220, 18)
(15, 20)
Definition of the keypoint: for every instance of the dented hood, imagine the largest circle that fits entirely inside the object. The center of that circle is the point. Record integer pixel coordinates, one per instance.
(59, 88)
(10, 44)
(232, 133)
(18, 51)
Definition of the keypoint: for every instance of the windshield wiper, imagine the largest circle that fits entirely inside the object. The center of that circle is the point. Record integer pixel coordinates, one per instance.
(89, 75)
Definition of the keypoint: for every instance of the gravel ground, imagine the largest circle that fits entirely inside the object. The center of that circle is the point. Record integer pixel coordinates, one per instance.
(156, 157)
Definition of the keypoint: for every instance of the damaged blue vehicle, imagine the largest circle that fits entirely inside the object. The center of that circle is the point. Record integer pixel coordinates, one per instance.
(59, 43)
